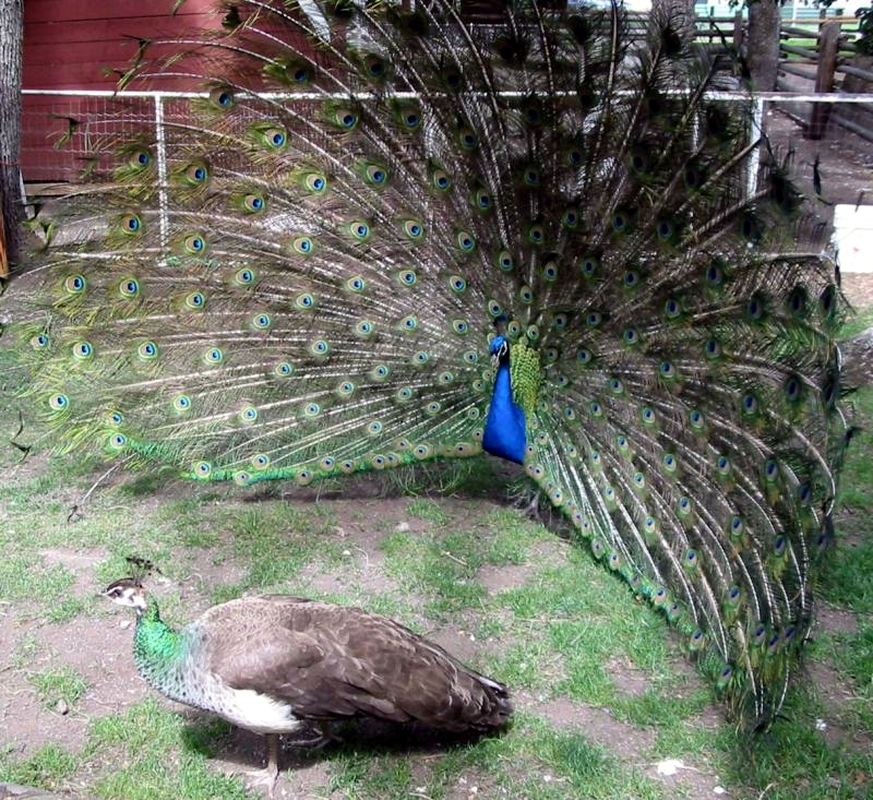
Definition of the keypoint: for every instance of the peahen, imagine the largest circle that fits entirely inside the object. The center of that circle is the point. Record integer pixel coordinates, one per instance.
(277, 664)
(542, 236)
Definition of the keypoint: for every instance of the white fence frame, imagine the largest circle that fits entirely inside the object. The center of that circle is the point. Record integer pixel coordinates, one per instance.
(159, 98)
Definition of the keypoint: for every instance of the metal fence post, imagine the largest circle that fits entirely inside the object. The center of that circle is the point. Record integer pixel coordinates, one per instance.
(756, 131)
(163, 200)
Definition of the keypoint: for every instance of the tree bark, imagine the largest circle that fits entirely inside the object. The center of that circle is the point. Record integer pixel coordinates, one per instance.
(762, 44)
(11, 41)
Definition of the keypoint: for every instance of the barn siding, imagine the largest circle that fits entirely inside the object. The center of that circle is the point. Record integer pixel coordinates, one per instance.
(84, 45)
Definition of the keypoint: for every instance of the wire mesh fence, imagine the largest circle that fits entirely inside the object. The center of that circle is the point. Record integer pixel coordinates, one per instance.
(69, 137)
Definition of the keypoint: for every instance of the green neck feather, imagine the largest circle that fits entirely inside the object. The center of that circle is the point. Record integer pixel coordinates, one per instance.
(156, 646)
(524, 368)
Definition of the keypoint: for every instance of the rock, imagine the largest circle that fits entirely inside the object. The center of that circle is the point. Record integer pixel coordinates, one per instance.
(12, 791)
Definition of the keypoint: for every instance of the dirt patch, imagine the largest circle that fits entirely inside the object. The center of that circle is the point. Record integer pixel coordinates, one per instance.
(97, 649)
(628, 679)
(836, 695)
(836, 620)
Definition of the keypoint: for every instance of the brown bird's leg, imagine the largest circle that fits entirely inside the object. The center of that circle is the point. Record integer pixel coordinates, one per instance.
(272, 768)
(268, 776)
(312, 736)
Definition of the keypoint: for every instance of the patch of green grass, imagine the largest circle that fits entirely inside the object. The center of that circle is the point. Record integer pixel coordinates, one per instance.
(794, 759)
(657, 709)
(529, 664)
(444, 564)
(692, 739)
(151, 752)
(428, 510)
(199, 523)
(366, 775)
(24, 578)
(467, 477)
(47, 768)
(846, 576)
(846, 579)
(530, 761)
(64, 684)
(511, 536)
(65, 609)
(588, 617)
(857, 323)
(225, 592)
(593, 773)
(436, 567)
(859, 459)
(276, 540)
(852, 655)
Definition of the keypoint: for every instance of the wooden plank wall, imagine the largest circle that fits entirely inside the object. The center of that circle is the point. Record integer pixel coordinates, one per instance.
(82, 45)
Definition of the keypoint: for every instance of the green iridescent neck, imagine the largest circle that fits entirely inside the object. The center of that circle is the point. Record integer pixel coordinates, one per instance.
(156, 646)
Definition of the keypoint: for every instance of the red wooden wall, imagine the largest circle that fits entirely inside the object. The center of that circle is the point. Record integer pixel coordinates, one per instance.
(87, 44)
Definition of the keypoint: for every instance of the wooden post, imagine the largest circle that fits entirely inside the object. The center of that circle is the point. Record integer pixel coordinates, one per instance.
(828, 45)
(4, 259)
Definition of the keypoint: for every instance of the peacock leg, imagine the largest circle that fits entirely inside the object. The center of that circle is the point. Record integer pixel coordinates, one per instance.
(269, 775)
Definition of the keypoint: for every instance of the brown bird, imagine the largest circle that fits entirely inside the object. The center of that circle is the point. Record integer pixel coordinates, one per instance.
(277, 664)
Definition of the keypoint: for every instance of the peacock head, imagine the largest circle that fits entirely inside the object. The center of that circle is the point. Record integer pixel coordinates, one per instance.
(127, 592)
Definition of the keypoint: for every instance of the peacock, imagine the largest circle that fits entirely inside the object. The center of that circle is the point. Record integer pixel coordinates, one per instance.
(385, 234)
(277, 664)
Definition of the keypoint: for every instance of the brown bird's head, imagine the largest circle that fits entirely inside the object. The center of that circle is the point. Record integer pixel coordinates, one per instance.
(127, 592)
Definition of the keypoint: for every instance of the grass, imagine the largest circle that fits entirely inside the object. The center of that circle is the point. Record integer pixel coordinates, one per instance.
(48, 767)
(55, 686)
(164, 756)
(602, 688)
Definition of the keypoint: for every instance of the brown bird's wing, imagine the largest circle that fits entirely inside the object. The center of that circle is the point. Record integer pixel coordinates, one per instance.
(333, 661)
(294, 650)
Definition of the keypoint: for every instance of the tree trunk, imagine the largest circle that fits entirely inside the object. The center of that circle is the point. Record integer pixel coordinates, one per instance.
(11, 40)
(762, 44)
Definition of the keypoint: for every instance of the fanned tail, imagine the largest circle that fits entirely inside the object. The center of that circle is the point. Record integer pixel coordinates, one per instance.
(378, 225)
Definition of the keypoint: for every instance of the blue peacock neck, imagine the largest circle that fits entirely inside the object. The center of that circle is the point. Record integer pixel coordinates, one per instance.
(156, 646)
(505, 433)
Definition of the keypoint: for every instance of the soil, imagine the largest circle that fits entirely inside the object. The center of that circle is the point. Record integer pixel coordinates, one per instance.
(97, 646)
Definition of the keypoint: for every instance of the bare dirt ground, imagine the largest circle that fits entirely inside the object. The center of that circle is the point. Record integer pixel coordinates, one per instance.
(98, 647)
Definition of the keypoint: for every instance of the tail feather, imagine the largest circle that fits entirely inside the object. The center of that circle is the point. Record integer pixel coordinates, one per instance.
(366, 201)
